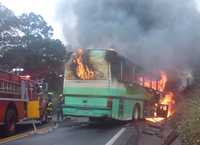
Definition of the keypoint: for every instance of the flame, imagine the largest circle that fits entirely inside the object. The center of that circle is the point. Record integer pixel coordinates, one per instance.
(159, 85)
(82, 70)
(155, 119)
(163, 81)
(168, 99)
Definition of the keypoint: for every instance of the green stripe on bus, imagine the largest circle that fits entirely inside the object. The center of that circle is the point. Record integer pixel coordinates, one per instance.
(93, 91)
(103, 92)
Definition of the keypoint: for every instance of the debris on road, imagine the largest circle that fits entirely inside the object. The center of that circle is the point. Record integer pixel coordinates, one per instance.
(159, 133)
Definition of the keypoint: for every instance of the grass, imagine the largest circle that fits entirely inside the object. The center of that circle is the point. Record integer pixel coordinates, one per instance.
(187, 118)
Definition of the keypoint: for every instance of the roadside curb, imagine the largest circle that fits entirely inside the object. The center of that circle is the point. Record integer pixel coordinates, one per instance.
(43, 130)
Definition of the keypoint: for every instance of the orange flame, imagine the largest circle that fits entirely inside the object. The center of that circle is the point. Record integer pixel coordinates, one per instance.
(163, 81)
(155, 119)
(160, 85)
(82, 70)
(168, 99)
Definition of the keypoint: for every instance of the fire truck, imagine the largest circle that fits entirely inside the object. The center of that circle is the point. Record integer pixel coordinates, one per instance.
(20, 100)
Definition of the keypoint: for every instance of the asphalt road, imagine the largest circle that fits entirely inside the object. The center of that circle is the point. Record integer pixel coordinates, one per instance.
(76, 132)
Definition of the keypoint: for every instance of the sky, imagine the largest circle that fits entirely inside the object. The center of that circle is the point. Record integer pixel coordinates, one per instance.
(46, 8)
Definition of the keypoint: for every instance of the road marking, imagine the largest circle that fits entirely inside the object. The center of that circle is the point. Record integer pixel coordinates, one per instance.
(13, 138)
(115, 137)
(22, 135)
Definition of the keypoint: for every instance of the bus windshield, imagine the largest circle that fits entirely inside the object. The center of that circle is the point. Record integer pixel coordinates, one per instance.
(87, 65)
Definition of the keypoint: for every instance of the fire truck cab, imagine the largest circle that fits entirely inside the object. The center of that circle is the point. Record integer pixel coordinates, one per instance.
(19, 101)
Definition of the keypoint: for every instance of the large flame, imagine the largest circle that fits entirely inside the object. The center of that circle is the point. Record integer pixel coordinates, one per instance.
(82, 70)
(160, 85)
(168, 99)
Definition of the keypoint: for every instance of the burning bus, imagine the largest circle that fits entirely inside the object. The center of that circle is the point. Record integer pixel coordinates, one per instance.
(100, 83)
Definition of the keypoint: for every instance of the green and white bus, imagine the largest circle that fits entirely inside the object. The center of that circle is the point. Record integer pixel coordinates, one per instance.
(100, 83)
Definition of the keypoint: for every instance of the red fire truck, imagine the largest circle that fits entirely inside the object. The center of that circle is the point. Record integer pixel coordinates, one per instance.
(20, 100)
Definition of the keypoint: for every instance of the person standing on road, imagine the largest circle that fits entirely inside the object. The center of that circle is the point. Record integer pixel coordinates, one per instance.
(59, 111)
(49, 109)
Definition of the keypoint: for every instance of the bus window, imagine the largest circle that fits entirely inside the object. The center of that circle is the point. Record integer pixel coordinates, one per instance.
(91, 65)
(116, 64)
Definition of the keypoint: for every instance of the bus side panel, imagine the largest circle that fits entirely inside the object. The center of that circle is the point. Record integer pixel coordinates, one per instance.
(115, 108)
(125, 111)
(128, 109)
(142, 110)
(141, 104)
(88, 106)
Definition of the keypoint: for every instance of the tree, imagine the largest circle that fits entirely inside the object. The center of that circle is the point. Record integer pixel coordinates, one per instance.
(35, 26)
(31, 46)
(9, 32)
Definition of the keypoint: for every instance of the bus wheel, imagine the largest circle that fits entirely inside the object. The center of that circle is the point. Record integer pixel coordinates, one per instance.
(136, 113)
(10, 122)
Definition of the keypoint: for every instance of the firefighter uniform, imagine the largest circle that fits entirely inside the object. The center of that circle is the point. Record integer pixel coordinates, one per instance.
(59, 111)
(50, 109)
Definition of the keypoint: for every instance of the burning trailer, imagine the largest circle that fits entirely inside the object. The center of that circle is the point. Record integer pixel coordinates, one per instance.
(100, 83)
(165, 103)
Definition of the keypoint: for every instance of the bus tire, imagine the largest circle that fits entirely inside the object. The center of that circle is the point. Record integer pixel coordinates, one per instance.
(136, 113)
(10, 121)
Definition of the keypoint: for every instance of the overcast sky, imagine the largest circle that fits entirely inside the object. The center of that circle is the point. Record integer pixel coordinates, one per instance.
(46, 8)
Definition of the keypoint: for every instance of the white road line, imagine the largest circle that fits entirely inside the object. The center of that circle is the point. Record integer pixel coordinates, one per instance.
(115, 137)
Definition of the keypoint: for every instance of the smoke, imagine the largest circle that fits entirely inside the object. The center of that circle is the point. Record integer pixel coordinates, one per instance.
(153, 33)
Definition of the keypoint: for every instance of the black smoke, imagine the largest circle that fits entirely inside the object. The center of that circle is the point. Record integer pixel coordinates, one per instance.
(153, 33)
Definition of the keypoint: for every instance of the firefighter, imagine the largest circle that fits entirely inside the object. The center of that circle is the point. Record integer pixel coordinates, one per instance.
(50, 109)
(59, 111)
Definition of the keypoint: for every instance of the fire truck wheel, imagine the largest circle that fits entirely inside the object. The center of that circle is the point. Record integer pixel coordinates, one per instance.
(136, 113)
(10, 122)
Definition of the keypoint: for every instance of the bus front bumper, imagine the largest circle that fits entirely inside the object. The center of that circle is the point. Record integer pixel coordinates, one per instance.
(86, 111)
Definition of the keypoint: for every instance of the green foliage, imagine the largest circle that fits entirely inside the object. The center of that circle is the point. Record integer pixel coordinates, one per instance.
(188, 121)
(7, 19)
(9, 23)
(26, 41)
(34, 25)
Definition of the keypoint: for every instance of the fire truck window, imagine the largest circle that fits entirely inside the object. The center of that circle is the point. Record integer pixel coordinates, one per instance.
(23, 89)
(18, 89)
(10, 87)
(6, 86)
(1, 85)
